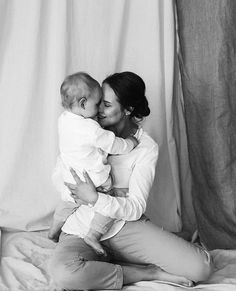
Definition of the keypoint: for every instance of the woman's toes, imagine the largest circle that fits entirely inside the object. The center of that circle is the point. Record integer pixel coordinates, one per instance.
(187, 283)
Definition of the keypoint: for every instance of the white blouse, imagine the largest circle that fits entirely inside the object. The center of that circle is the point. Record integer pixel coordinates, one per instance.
(135, 171)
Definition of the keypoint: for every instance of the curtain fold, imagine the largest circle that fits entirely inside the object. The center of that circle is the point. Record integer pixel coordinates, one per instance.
(207, 57)
(185, 177)
(41, 42)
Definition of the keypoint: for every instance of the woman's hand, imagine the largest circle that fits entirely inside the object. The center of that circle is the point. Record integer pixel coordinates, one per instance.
(85, 191)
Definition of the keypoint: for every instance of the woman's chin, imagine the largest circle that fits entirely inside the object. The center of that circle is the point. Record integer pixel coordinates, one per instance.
(102, 121)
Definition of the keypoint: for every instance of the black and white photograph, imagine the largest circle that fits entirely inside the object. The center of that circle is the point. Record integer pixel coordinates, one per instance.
(117, 145)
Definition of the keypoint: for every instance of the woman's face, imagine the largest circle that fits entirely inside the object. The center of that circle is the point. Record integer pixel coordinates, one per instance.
(110, 110)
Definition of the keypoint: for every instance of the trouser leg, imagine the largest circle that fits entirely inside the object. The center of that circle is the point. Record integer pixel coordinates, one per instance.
(75, 266)
(142, 242)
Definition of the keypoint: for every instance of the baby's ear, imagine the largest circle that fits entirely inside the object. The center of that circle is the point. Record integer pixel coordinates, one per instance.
(82, 102)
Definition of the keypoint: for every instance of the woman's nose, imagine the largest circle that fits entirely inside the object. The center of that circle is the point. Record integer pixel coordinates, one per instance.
(101, 108)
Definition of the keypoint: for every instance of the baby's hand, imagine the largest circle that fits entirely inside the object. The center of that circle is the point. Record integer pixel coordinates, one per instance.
(120, 192)
(102, 190)
(115, 192)
(134, 140)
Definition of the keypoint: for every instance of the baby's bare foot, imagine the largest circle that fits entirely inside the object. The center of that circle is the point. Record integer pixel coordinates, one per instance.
(95, 245)
(54, 232)
(54, 237)
(159, 274)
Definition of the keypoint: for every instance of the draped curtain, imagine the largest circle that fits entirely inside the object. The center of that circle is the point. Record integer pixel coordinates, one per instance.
(41, 42)
(207, 57)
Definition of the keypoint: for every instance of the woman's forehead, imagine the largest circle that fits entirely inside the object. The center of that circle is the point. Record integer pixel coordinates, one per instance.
(108, 94)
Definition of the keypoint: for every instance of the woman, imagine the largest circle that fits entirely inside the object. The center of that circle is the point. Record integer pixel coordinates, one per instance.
(136, 249)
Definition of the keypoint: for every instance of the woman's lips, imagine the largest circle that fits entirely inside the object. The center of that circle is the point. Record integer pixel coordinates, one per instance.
(101, 116)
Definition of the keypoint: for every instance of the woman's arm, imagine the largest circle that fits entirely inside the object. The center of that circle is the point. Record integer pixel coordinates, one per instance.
(128, 208)
(134, 205)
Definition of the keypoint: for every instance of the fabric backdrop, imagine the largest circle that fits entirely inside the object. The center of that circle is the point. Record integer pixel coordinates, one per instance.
(40, 43)
(208, 70)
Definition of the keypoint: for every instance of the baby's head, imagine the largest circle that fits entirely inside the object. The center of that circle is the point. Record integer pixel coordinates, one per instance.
(81, 94)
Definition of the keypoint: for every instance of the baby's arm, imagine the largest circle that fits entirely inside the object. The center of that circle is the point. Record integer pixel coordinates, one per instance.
(120, 192)
(111, 144)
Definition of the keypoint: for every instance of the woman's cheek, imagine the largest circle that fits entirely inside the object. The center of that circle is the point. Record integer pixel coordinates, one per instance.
(113, 117)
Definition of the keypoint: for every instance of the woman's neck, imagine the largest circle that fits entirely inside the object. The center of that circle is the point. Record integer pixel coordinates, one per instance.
(125, 128)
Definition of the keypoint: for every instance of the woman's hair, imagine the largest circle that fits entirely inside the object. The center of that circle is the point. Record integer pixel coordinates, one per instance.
(76, 86)
(130, 90)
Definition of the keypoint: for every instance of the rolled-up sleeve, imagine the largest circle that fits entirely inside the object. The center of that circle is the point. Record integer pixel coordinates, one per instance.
(134, 205)
(111, 144)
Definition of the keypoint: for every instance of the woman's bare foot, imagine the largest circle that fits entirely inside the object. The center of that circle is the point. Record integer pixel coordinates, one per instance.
(135, 273)
(159, 274)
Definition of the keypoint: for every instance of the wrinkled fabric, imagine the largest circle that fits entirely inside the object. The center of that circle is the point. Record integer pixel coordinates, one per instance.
(207, 56)
(25, 257)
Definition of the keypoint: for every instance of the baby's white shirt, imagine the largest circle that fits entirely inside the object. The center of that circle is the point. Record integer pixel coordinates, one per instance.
(85, 145)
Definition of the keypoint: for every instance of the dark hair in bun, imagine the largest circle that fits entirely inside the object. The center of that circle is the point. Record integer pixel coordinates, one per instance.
(130, 89)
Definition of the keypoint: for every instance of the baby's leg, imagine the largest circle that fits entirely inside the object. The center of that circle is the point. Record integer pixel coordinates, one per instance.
(99, 225)
(62, 212)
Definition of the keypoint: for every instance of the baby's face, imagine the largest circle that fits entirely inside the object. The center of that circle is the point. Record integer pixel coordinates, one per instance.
(92, 104)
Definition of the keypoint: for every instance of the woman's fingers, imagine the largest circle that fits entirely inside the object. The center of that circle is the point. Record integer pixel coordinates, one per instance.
(75, 176)
(74, 197)
(70, 186)
(87, 178)
(78, 181)
(78, 201)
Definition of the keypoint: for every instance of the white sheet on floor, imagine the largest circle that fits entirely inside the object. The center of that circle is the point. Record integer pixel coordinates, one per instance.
(24, 266)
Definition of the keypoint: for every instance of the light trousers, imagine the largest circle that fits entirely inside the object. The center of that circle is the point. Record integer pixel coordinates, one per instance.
(75, 266)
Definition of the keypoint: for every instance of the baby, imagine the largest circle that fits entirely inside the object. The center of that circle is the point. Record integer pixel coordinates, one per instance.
(84, 145)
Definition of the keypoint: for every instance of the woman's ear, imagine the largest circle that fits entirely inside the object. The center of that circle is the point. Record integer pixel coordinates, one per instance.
(129, 110)
(82, 102)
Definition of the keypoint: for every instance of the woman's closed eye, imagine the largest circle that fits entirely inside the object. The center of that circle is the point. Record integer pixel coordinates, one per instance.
(107, 104)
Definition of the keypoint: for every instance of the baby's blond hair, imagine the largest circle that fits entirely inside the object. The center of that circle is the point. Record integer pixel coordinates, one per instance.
(75, 87)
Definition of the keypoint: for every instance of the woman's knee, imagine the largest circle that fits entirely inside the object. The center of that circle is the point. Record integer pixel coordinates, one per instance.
(59, 275)
(67, 275)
